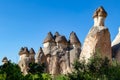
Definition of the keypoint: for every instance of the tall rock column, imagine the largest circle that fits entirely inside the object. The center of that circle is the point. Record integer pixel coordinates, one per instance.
(98, 38)
(48, 45)
(116, 47)
(75, 49)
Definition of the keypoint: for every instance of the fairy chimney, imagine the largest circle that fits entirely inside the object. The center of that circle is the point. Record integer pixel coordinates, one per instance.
(74, 41)
(23, 52)
(40, 58)
(49, 40)
(4, 60)
(24, 60)
(116, 47)
(99, 16)
(75, 51)
(61, 42)
(98, 39)
(48, 44)
(32, 55)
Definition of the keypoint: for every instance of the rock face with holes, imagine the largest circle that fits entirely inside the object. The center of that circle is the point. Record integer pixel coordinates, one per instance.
(98, 38)
(116, 47)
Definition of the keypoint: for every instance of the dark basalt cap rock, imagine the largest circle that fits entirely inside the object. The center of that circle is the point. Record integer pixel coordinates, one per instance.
(49, 38)
(74, 38)
(61, 39)
(100, 12)
(4, 59)
(32, 51)
(95, 13)
(23, 51)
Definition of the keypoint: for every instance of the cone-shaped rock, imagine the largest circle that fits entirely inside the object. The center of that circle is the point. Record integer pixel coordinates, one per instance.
(49, 38)
(40, 58)
(98, 38)
(24, 51)
(5, 60)
(74, 39)
(32, 51)
(56, 35)
(116, 47)
(61, 39)
(32, 55)
(39, 53)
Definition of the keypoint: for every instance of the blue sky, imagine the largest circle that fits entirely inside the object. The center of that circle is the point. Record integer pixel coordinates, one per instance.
(27, 22)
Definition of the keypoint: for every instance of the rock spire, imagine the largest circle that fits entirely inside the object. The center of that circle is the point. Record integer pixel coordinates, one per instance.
(98, 38)
(49, 38)
(99, 16)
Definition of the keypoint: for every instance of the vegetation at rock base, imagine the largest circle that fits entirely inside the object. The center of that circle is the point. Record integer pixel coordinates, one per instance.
(96, 69)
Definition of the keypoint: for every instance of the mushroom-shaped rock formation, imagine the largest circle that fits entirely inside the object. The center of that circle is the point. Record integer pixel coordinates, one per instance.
(32, 51)
(5, 60)
(61, 42)
(99, 16)
(32, 55)
(60, 56)
(48, 44)
(24, 65)
(97, 40)
(24, 60)
(49, 38)
(40, 57)
(74, 41)
(116, 47)
(23, 52)
(75, 51)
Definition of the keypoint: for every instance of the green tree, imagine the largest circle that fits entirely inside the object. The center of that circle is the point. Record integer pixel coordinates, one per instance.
(10, 71)
(97, 68)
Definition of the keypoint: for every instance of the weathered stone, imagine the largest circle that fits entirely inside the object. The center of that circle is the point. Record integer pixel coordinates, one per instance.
(48, 44)
(74, 41)
(116, 47)
(5, 60)
(74, 55)
(97, 41)
(58, 54)
(61, 56)
(40, 57)
(32, 55)
(23, 52)
(75, 49)
(61, 39)
(99, 16)
(24, 65)
(56, 35)
(49, 38)
(55, 65)
(24, 60)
